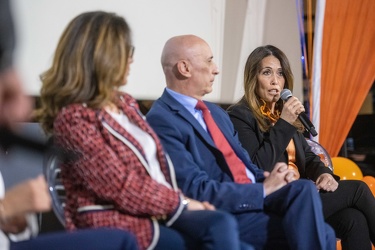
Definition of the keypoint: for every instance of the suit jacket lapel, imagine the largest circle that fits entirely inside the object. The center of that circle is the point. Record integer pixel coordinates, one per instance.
(186, 115)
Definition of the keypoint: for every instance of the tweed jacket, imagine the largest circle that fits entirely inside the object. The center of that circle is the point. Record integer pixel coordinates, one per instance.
(265, 149)
(110, 169)
(201, 170)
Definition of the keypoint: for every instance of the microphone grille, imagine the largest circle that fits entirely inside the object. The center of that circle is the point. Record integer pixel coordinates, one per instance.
(285, 94)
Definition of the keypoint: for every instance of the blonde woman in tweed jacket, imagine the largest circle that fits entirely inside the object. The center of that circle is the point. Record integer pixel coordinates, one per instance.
(120, 177)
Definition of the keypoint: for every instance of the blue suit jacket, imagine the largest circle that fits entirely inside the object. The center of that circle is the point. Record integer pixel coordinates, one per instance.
(201, 170)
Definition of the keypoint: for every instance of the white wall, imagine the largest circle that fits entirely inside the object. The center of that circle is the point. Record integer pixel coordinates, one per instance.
(39, 24)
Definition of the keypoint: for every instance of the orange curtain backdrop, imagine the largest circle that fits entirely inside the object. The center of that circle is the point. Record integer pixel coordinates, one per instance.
(348, 67)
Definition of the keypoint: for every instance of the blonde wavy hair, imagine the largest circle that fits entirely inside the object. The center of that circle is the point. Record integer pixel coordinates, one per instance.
(252, 69)
(90, 61)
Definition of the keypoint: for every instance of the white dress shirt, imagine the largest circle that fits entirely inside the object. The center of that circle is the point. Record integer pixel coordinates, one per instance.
(148, 144)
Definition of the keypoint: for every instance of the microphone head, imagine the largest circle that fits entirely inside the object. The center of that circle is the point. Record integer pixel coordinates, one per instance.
(285, 94)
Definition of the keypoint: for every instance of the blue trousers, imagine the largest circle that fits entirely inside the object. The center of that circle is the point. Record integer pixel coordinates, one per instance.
(292, 219)
(87, 239)
(196, 230)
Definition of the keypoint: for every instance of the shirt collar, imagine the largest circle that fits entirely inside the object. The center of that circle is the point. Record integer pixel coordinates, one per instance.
(187, 101)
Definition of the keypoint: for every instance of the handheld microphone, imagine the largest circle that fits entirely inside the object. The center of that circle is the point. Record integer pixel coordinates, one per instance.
(285, 95)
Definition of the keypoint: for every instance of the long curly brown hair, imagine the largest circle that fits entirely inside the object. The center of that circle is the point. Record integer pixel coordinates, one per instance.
(90, 61)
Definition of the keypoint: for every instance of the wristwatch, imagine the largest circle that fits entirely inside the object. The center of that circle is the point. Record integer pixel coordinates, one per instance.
(185, 202)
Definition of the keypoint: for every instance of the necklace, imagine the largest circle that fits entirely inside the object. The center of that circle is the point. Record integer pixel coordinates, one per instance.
(268, 113)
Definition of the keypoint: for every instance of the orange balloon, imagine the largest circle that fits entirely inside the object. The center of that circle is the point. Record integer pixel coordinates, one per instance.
(370, 181)
(346, 169)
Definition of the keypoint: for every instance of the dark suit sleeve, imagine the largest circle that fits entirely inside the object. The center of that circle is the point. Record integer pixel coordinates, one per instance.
(264, 149)
(7, 36)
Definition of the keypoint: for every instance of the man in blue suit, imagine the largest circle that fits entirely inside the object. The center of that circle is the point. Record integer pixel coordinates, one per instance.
(273, 211)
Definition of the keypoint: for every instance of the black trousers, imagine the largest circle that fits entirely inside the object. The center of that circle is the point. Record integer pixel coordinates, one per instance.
(350, 210)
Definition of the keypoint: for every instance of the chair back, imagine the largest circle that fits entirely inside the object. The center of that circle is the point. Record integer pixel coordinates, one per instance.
(56, 188)
(321, 152)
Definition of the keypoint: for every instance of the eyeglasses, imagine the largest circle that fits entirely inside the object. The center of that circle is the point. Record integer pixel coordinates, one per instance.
(131, 51)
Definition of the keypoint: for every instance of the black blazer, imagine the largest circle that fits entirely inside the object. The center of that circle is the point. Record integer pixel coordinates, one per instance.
(265, 149)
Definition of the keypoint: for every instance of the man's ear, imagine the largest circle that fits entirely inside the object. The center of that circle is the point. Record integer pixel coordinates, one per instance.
(184, 68)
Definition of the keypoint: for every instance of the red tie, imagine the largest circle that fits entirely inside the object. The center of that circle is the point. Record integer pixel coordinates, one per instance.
(236, 166)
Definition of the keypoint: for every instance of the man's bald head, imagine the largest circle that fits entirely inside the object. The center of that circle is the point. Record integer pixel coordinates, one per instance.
(179, 48)
(188, 66)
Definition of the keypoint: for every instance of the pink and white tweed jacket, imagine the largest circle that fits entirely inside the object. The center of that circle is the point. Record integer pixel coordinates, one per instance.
(111, 170)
